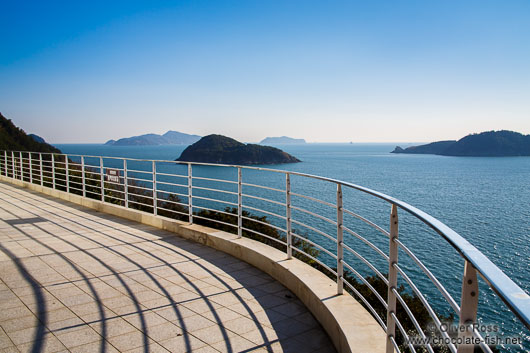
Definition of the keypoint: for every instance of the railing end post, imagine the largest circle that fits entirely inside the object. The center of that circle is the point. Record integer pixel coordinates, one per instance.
(392, 279)
(468, 307)
(190, 194)
(239, 203)
(340, 242)
(289, 237)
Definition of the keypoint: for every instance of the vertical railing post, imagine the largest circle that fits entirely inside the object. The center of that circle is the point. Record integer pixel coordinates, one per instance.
(30, 167)
(21, 167)
(468, 308)
(5, 158)
(155, 199)
(53, 170)
(102, 179)
(83, 175)
(392, 279)
(13, 164)
(190, 203)
(125, 184)
(41, 171)
(67, 170)
(288, 215)
(239, 203)
(340, 242)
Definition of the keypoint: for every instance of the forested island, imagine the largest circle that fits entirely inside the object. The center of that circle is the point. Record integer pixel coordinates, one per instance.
(13, 138)
(225, 150)
(486, 144)
(283, 140)
(169, 138)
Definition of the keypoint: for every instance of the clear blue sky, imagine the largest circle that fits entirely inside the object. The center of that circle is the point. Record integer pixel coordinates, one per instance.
(326, 71)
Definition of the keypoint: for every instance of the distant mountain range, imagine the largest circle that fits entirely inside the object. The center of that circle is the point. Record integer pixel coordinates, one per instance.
(225, 150)
(13, 138)
(486, 144)
(283, 140)
(169, 138)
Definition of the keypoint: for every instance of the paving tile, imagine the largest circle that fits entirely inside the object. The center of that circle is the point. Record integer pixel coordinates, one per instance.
(271, 287)
(286, 346)
(206, 349)
(13, 313)
(5, 341)
(184, 343)
(267, 317)
(241, 325)
(59, 315)
(291, 309)
(73, 323)
(221, 315)
(78, 337)
(49, 344)
(28, 334)
(148, 318)
(113, 327)
(153, 348)
(226, 299)
(156, 303)
(314, 339)
(164, 331)
(77, 299)
(126, 310)
(261, 336)
(201, 305)
(19, 323)
(234, 344)
(85, 309)
(174, 313)
(289, 328)
(213, 334)
(93, 347)
(128, 341)
(195, 322)
(307, 319)
(247, 308)
(45, 303)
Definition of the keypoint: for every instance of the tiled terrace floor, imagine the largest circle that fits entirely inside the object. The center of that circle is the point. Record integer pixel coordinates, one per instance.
(73, 279)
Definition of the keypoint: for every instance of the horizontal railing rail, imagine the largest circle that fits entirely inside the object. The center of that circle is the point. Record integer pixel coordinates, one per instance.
(174, 189)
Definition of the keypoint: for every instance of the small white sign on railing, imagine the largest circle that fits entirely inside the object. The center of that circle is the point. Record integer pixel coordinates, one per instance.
(113, 175)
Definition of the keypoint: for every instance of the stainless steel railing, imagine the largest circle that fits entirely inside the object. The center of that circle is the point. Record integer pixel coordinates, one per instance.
(140, 183)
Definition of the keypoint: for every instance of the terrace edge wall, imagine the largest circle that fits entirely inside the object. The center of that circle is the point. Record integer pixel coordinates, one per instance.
(350, 327)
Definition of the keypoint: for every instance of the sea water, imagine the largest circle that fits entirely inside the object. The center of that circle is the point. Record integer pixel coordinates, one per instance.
(484, 199)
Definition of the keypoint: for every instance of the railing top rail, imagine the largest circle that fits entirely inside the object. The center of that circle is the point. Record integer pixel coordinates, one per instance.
(513, 296)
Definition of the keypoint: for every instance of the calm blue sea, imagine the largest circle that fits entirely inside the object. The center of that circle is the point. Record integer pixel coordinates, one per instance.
(486, 200)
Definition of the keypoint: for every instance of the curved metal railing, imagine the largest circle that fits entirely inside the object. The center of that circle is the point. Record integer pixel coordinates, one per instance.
(172, 188)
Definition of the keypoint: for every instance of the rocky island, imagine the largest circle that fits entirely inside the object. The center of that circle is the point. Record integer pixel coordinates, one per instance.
(283, 140)
(169, 138)
(486, 144)
(225, 150)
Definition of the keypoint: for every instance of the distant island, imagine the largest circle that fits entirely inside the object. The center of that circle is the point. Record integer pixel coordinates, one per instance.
(169, 138)
(283, 140)
(225, 150)
(486, 144)
(13, 138)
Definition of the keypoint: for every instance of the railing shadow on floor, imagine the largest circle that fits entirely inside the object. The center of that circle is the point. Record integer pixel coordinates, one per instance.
(240, 280)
